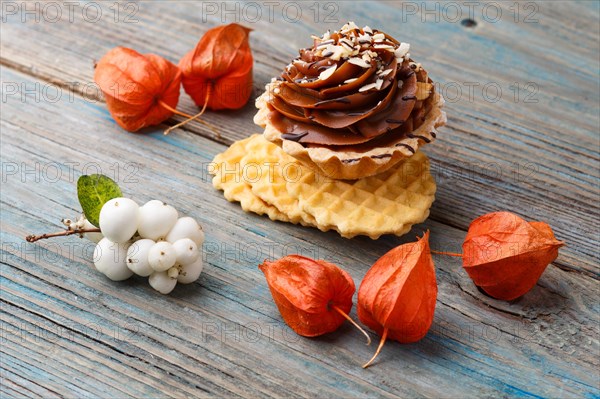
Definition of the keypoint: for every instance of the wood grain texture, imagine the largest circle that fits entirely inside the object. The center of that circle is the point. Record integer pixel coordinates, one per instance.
(533, 150)
(67, 331)
(223, 336)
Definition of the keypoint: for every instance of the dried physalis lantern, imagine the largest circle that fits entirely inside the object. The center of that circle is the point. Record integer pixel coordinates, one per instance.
(140, 89)
(217, 73)
(398, 294)
(505, 255)
(314, 297)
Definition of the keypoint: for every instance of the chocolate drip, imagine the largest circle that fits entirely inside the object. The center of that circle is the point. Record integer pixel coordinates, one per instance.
(381, 156)
(416, 136)
(406, 146)
(293, 136)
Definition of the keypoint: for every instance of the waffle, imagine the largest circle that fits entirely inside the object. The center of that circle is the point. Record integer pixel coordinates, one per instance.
(268, 181)
(270, 184)
(229, 177)
(388, 203)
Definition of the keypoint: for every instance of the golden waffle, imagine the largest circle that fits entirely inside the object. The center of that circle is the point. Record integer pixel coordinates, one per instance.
(276, 167)
(387, 203)
(265, 180)
(229, 176)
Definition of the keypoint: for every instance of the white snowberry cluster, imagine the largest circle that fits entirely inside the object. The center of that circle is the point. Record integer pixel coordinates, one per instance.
(150, 241)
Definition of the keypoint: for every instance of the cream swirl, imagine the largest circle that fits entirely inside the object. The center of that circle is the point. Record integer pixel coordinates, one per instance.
(355, 88)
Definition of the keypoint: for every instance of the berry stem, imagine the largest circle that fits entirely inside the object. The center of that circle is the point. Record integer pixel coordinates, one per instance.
(191, 118)
(340, 311)
(34, 238)
(446, 253)
(383, 338)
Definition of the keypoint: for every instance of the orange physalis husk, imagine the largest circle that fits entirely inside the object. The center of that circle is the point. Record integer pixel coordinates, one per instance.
(314, 297)
(140, 89)
(219, 68)
(505, 255)
(397, 295)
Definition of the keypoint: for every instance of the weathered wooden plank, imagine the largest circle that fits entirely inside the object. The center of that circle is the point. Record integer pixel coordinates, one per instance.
(536, 155)
(223, 335)
(14, 384)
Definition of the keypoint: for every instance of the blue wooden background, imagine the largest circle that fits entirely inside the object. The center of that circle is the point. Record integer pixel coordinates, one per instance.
(525, 139)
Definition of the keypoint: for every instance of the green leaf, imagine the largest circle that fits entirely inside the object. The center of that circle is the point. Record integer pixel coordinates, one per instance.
(93, 192)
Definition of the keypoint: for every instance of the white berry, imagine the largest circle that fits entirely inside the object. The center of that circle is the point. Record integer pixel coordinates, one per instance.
(186, 227)
(161, 282)
(137, 257)
(94, 237)
(190, 272)
(119, 219)
(156, 219)
(162, 256)
(110, 259)
(186, 250)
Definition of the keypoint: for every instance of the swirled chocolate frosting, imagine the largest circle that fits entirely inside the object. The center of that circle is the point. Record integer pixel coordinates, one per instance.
(355, 88)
